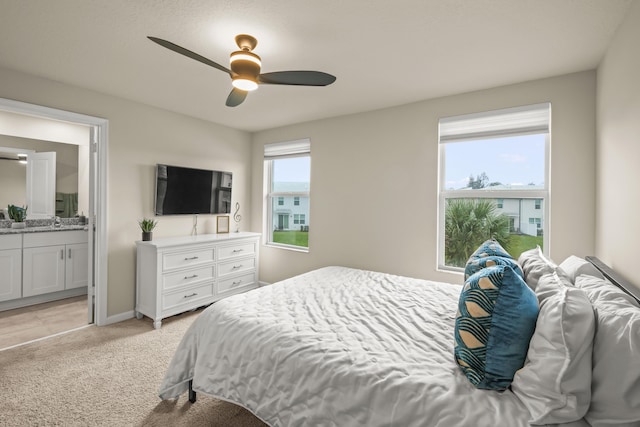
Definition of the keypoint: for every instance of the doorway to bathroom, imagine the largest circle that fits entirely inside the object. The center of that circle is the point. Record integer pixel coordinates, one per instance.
(92, 155)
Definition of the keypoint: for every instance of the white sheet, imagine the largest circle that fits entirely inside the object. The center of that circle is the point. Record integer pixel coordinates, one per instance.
(338, 347)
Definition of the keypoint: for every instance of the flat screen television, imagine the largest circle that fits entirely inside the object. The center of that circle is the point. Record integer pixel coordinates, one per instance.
(187, 191)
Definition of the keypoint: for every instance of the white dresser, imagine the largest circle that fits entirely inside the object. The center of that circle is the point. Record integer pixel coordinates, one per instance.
(178, 274)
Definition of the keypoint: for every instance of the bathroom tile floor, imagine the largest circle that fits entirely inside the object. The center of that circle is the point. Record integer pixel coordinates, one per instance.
(38, 321)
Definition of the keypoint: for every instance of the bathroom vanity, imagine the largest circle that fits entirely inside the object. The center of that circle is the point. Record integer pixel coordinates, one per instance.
(41, 264)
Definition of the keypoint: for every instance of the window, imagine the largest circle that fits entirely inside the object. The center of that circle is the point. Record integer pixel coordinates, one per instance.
(287, 183)
(493, 182)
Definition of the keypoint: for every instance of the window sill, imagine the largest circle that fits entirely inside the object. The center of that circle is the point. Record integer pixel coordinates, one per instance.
(457, 271)
(287, 247)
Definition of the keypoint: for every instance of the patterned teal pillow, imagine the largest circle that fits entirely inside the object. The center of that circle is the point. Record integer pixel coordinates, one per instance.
(496, 318)
(490, 247)
(490, 253)
(476, 264)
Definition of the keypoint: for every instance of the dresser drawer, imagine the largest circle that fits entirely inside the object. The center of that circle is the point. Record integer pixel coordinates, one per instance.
(187, 258)
(236, 266)
(229, 285)
(238, 250)
(191, 297)
(187, 277)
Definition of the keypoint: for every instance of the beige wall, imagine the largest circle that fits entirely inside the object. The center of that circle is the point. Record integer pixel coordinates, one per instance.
(139, 137)
(377, 170)
(374, 180)
(618, 149)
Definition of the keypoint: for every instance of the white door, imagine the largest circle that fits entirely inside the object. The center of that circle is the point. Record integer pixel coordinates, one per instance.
(41, 185)
(91, 222)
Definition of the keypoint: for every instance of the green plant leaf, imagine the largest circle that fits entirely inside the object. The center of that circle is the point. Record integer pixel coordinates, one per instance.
(147, 224)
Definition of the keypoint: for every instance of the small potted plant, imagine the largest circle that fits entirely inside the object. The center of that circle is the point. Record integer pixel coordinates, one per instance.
(18, 215)
(147, 226)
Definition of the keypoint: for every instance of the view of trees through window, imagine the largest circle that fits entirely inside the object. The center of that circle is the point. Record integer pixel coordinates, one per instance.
(469, 222)
(492, 188)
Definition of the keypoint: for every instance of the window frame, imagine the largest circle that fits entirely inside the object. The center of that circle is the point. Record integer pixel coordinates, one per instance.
(299, 148)
(444, 194)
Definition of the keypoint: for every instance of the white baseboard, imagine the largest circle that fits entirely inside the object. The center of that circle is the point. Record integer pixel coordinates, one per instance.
(130, 314)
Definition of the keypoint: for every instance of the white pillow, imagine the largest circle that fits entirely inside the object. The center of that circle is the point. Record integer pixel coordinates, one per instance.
(534, 265)
(555, 382)
(615, 391)
(575, 266)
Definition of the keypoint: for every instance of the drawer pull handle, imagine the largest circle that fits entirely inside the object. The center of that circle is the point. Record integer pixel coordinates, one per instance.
(190, 277)
(192, 295)
(236, 283)
(237, 266)
(238, 250)
(190, 258)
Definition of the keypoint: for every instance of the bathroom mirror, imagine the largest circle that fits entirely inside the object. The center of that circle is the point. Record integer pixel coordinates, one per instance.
(13, 176)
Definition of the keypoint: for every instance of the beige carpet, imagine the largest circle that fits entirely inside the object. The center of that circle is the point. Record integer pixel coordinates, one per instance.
(105, 376)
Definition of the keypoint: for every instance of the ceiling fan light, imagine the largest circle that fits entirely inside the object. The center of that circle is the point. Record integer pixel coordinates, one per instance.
(242, 55)
(244, 83)
(245, 69)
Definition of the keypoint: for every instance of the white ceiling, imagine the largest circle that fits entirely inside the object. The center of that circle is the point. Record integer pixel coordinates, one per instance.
(382, 52)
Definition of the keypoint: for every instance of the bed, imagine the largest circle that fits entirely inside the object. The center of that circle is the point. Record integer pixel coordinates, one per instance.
(346, 347)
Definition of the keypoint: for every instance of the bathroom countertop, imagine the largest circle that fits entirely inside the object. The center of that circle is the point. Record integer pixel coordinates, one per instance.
(42, 229)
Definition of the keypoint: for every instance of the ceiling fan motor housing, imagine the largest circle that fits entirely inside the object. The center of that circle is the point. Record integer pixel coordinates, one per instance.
(245, 63)
(245, 68)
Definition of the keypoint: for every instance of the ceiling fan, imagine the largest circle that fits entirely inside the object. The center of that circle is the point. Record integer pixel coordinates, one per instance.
(245, 69)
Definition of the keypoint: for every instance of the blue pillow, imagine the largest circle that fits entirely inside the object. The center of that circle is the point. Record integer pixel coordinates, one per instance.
(496, 319)
(490, 253)
(476, 264)
(490, 247)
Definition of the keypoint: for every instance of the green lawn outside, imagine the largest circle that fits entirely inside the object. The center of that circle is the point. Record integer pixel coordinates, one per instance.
(296, 238)
(519, 243)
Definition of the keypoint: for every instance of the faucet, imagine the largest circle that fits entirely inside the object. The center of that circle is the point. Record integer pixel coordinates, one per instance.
(56, 221)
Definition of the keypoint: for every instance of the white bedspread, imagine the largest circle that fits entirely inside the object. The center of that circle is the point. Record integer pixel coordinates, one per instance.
(338, 347)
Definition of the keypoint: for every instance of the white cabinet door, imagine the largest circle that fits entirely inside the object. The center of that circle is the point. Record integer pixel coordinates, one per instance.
(77, 265)
(11, 277)
(43, 270)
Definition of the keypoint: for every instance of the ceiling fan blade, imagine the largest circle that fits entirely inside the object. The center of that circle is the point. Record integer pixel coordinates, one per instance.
(186, 52)
(297, 78)
(236, 97)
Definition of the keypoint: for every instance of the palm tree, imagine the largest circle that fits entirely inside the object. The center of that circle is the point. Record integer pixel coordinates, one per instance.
(468, 223)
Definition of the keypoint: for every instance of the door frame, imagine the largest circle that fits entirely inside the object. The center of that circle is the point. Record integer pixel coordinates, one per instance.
(97, 219)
